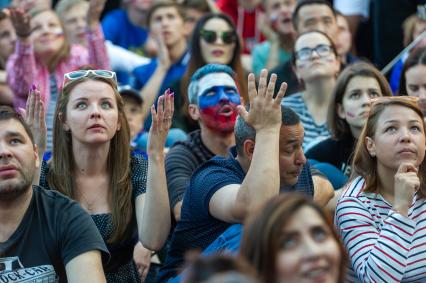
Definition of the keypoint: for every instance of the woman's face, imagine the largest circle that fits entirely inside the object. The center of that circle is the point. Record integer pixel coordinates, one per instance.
(320, 63)
(47, 33)
(415, 83)
(92, 113)
(399, 138)
(355, 105)
(309, 252)
(217, 51)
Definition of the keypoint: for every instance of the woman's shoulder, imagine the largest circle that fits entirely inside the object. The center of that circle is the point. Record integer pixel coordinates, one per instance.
(354, 188)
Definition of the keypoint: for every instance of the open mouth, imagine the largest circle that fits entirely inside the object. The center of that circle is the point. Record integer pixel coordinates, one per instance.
(226, 110)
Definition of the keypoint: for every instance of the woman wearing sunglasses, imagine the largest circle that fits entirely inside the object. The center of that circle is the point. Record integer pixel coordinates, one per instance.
(43, 55)
(317, 64)
(91, 163)
(214, 41)
(381, 215)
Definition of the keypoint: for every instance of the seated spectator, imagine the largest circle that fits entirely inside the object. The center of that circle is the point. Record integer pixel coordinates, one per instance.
(92, 163)
(194, 11)
(382, 211)
(309, 15)
(213, 96)
(245, 14)
(44, 236)
(73, 16)
(133, 103)
(222, 191)
(126, 27)
(166, 24)
(413, 77)
(413, 26)
(317, 64)
(292, 240)
(344, 40)
(43, 55)
(7, 46)
(207, 47)
(349, 107)
(279, 31)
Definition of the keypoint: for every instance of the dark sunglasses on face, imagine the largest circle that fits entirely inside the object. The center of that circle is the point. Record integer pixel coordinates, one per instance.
(211, 36)
(322, 50)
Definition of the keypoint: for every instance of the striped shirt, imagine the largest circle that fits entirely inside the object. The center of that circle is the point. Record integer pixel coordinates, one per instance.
(383, 245)
(313, 133)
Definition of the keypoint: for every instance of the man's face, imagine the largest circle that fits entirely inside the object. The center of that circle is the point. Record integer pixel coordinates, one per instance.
(218, 99)
(18, 160)
(317, 17)
(280, 14)
(167, 23)
(291, 156)
(7, 39)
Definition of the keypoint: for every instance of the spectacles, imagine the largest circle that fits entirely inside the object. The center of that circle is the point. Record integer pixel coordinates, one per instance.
(211, 36)
(322, 50)
(75, 75)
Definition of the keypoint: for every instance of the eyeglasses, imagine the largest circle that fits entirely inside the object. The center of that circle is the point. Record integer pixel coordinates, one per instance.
(211, 36)
(322, 50)
(71, 76)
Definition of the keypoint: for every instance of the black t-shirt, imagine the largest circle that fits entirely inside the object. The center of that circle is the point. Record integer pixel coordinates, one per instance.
(52, 232)
(338, 153)
(181, 161)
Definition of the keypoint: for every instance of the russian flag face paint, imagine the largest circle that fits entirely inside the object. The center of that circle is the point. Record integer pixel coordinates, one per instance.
(218, 99)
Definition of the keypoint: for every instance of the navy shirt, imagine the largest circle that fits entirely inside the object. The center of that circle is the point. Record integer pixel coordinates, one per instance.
(198, 228)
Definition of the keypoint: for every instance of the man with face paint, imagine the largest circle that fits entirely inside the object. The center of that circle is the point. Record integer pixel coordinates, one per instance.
(213, 97)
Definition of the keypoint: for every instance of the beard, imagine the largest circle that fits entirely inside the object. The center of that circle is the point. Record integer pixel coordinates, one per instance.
(12, 189)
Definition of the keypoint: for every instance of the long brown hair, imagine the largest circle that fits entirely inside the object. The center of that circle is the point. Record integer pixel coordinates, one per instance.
(62, 165)
(363, 163)
(63, 52)
(197, 61)
(337, 126)
(262, 238)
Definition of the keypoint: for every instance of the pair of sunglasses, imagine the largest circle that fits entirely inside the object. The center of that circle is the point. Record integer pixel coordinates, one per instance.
(75, 75)
(211, 36)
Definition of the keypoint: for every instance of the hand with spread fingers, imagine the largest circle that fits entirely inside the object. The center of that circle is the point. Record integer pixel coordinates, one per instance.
(21, 21)
(265, 110)
(161, 122)
(35, 118)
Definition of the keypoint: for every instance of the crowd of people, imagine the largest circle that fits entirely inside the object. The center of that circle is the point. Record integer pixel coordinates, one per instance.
(210, 141)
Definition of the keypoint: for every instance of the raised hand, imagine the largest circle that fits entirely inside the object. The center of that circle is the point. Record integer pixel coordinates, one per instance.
(94, 13)
(21, 21)
(35, 118)
(265, 110)
(407, 182)
(161, 122)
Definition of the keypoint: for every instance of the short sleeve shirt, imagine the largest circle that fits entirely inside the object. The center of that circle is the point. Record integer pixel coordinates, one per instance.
(53, 231)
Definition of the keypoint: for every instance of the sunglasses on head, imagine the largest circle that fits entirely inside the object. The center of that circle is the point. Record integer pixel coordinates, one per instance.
(211, 36)
(71, 76)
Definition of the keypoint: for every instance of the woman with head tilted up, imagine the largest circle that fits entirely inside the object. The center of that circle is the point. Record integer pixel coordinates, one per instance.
(381, 213)
(92, 164)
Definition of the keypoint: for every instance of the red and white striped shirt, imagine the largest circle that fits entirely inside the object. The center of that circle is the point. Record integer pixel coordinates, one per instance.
(383, 245)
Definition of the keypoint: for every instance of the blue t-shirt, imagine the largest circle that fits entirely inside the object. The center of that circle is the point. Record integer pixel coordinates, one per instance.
(120, 31)
(142, 74)
(197, 228)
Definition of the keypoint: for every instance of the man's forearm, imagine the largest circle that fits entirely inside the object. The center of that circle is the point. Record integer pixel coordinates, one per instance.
(262, 180)
(150, 91)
